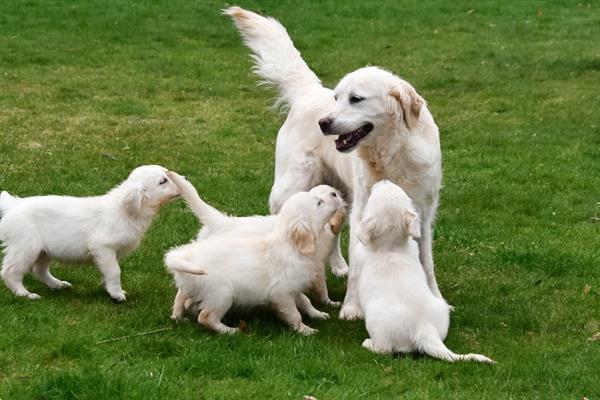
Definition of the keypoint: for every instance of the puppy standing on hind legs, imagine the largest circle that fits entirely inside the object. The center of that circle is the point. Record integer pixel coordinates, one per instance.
(401, 313)
(101, 229)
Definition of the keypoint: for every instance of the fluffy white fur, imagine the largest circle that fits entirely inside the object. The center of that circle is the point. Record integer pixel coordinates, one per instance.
(373, 126)
(274, 268)
(401, 313)
(102, 229)
(216, 223)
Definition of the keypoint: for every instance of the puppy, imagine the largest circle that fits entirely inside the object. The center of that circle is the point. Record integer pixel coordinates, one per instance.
(274, 268)
(401, 312)
(216, 223)
(101, 229)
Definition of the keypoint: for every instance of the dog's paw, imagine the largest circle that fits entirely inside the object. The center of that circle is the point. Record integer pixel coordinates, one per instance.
(321, 315)
(229, 330)
(118, 295)
(368, 344)
(351, 313)
(306, 330)
(451, 308)
(62, 285)
(178, 318)
(33, 296)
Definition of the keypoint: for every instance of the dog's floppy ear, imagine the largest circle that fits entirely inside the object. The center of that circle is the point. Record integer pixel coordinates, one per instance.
(410, 101)
(365, 230)
(303, 238)
(336, 221)
(135, 198)
(411, 225)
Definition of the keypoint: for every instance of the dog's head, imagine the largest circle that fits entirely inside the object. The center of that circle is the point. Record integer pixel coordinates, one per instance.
(328, 192)
(389, 216)
(370, 101)
(305, 214)
(147, 188)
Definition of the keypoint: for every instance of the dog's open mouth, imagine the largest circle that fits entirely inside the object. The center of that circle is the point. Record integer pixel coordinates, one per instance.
(349, 141)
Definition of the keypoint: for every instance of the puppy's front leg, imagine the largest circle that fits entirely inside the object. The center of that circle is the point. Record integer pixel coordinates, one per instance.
(286, 308)
(304, 305)
(106, 261)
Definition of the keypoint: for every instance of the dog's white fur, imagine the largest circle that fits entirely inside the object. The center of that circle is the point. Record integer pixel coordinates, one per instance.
(102, 229)
(402, 146)
(273, 268)
(216, 223)
(401, 312)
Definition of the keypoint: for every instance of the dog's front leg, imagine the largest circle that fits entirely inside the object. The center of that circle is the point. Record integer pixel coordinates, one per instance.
(286, 308)
(106, 261)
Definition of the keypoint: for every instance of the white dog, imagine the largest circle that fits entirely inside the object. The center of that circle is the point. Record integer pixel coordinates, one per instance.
(216, 223)
(383, 130)
(102, 229)
(269, 269)
(401, 313)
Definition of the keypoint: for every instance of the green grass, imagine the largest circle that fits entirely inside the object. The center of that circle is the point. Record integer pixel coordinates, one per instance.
(89, 90)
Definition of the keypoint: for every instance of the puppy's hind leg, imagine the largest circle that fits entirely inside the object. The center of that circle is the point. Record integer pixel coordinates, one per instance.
(42, 274)
(319, 286)
(304, 305)
(369, 344)
(14, 268)
(211, 315)
(286, 308)
(179, 306)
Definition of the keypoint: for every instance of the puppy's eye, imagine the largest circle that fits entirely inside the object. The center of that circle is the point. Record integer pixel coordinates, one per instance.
(355, 99)
(319, 203)
(162, 181)
(333, 194)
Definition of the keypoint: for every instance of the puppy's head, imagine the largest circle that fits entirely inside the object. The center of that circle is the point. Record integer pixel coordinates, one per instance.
(370, 101)
(303, 215)
(389, 216)
(147, 188)
(328, 193)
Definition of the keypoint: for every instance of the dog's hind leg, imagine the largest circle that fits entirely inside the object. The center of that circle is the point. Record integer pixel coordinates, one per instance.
(337, 263)
(286, 308)
(42, 273)
(211, 315)
(14, 267)
(429, 343)
(179, 306)
(426, 254)
(319, 287)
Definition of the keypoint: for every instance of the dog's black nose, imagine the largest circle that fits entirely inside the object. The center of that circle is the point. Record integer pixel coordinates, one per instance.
(324, 124)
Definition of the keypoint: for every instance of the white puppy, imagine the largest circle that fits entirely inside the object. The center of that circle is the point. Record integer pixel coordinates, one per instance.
(102, 229)
(216, 223)
(269, 269)
(401, 313)
(373, 126)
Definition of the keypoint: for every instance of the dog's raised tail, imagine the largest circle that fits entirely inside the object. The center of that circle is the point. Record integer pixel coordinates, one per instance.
(276, 58)
(430, 344)
(7, 201)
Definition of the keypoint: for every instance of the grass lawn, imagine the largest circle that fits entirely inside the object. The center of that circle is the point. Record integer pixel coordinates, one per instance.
(89, 90)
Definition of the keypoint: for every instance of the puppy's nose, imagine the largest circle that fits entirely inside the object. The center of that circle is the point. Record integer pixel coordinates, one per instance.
(324, 124)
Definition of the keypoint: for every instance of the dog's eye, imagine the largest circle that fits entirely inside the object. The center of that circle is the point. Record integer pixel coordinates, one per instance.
(162, 181)
(335, 97)
(333, 194)
(319, 203)
(355, 99)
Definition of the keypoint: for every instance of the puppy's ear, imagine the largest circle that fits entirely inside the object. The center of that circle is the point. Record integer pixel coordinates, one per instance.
(411, 225)
(365, 230)
(411, 103)
(303, 238)
(336, 221)
(135, 198)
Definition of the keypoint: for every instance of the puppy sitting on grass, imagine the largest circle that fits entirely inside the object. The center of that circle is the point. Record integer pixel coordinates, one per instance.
(401, 312)
(102, 229)
(274, 268)
(216, 223)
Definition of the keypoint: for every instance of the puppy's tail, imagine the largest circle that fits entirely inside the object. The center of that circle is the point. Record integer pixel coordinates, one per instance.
(176, 263)
(276, 59)
(430, 344)
(206, 214)
(7, 201)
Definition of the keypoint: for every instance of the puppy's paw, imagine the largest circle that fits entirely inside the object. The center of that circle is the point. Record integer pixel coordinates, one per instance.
(368, 344)
(340, 270)
(320, 315)
(306, 330)
(33, 296)
(118, 295)
(350, 312)
(62, 285)
(332, 303)
(229, 330)
(451, 307)
(178, 318)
